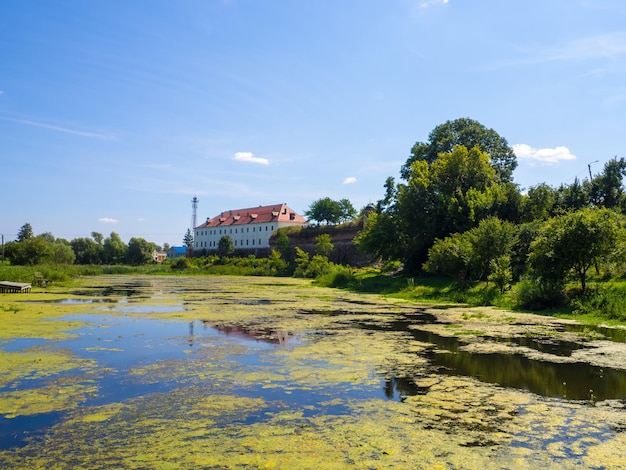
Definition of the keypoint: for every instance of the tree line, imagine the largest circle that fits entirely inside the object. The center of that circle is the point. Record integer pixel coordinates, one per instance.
(30, 249)
(457, 211)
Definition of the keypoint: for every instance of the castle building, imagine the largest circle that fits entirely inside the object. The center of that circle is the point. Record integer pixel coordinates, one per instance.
(250, 229)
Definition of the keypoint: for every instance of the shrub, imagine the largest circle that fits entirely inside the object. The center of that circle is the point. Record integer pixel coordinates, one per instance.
(533, 295)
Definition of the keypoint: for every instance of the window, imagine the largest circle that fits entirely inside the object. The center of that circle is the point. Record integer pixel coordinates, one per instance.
(253, 241)
(247, 242)
(259, 241)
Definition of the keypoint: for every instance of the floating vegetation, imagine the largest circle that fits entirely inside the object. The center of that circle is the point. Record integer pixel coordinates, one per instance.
(247, 373)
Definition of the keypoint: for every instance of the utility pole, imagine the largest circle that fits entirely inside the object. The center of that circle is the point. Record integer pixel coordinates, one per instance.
(589, 166)
(2, 247)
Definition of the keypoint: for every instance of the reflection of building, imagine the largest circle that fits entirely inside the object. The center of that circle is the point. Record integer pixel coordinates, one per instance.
(261, 334)
(249, 229)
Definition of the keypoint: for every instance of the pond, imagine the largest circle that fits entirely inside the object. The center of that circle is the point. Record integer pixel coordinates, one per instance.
(230, 372)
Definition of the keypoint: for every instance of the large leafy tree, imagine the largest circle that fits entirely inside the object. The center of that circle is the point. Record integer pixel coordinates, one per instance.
(139, 251)
(469, 133)
(330, 211)
(62, 252)
(87, 251)
(114, 249)
(447, 196)
(450, 195)
(573, 243)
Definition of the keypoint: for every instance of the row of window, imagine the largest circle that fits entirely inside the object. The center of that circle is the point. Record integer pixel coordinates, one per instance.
(213, 244)
(214, 231)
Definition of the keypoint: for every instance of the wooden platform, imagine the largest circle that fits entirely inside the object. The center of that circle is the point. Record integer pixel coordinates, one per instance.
(7, 286)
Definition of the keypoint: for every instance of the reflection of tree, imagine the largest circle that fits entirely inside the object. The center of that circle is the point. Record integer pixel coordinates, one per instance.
(574, 381)
(260, 334)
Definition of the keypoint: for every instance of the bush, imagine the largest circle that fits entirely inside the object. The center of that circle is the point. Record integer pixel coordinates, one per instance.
(338, 277)
(602, 302)
(533, 295)
(180, 264)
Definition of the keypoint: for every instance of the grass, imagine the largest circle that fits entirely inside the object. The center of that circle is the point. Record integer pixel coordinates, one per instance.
(603, 302)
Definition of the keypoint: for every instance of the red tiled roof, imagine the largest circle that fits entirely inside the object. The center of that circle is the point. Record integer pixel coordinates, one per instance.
(255, 215)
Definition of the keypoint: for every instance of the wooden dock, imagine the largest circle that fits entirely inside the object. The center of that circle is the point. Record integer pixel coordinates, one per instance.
(7, 286)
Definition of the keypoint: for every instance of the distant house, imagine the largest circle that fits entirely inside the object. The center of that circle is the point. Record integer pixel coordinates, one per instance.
(158, 256)
(176, 252)
(250, 229)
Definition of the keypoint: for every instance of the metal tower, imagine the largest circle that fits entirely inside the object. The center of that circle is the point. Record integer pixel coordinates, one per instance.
(194, 206)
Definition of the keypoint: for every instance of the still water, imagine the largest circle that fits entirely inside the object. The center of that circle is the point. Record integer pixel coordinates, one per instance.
(318, 357)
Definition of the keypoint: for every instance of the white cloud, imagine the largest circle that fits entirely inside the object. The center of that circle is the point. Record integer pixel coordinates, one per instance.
(108, 220)
(545, 155)
(427, 3)
(349, 180)
(250, 158)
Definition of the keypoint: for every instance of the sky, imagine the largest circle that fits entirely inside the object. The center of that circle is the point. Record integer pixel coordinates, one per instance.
(115, 114)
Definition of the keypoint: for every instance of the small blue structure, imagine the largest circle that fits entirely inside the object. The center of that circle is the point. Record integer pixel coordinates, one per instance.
(177, 252)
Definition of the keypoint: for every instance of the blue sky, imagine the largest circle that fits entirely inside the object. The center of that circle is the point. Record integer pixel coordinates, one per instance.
(114, 114)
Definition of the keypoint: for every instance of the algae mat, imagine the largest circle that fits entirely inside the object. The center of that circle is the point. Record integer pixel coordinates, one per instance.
(231, 372)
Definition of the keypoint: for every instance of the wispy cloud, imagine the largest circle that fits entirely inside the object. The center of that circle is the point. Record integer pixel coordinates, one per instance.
(108, 220)
(428, 3)
(66, 130)
(349, 180)
(602, 46)
(250, 158)
(547, 156)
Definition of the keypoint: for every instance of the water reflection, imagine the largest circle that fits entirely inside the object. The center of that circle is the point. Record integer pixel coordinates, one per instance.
(572, 381)
(269, 335)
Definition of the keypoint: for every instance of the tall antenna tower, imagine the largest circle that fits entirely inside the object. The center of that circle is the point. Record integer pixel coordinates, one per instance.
(194, 208)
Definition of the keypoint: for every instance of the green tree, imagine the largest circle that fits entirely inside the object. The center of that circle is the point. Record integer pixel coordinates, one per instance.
(188, 239)
(225, 247)
(114, 249)
(324, 245)
(346, 210)
(139, 251)
(30, 251)
(490, 240)
(451, 256)
(442, 198)
(324, 210)
(500, 272)
(573, 243)
(98, 238)
(62, 252)
(468, 133)
(283, 245)
(572, 197)
(381, 237)
(87, 251)
(607, 189)
(539, 203)
(25, 232)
